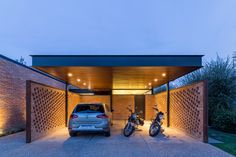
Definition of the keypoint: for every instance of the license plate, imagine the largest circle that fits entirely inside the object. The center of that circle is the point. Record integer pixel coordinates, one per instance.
(86, 126)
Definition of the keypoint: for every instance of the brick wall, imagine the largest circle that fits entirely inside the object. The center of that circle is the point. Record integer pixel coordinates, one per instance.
(45, 110)
(188, 109)
(12, 92)
(149, 104)
(120, 104)
(161, 101)
(96, 99)
(73, 100)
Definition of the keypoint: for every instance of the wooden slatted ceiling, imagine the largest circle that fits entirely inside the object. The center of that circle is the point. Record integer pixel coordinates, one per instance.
(117, 77)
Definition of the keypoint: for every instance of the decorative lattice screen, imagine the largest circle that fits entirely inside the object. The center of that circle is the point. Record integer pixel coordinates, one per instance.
(45, 110)
(188, 109)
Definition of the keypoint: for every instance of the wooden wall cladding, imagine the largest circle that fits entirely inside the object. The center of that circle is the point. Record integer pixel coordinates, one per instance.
(188, 109)
(45, 110)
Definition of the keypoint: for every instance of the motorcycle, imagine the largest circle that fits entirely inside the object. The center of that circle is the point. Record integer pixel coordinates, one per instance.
(155, 127)
(134, 121)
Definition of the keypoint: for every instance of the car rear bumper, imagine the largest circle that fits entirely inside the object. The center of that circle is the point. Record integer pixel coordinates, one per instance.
(77, 127)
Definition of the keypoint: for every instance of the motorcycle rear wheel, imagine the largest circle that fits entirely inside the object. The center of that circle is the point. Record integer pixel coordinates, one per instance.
(128, 130)
(154, 130)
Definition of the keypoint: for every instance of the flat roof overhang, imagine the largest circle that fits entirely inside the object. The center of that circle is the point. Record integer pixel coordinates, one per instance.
(106, 72)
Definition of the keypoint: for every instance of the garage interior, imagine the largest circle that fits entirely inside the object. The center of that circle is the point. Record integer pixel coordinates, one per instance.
(118, 81)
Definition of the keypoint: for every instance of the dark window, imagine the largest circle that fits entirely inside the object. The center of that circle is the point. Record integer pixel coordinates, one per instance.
(89, 108)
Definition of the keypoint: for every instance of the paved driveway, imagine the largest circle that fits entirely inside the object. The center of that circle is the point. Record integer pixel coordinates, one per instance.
(59, 144)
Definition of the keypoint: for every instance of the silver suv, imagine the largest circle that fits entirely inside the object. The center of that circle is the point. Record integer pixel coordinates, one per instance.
(90, 117)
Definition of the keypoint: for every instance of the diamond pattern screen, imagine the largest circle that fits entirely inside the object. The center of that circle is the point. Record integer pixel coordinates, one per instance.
(187, 109)
(47, 106)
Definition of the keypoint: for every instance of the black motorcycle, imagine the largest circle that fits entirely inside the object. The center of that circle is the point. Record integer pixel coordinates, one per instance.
(155, 127)
(133, 121)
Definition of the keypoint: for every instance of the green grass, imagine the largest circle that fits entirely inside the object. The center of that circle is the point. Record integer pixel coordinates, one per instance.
(229, 141)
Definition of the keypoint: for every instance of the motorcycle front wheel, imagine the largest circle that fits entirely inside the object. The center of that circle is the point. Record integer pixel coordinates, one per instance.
(128, 130)
(154, 129)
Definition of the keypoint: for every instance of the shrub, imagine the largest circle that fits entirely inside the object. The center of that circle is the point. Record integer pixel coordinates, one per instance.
(225, 120)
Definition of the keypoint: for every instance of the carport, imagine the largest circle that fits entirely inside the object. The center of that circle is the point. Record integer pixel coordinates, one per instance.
(117, 80)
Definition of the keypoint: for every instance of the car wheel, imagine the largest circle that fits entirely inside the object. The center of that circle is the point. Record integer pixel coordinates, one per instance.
(72, 134)
(107, 134)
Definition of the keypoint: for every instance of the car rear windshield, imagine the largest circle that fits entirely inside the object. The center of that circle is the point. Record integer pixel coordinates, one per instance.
(89, 108)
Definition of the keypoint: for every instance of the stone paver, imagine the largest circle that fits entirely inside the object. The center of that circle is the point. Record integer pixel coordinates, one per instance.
(59, 144)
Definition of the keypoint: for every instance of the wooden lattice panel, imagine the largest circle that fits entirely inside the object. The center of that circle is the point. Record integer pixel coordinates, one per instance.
(161, 102)
(46, 110)
(187, 109)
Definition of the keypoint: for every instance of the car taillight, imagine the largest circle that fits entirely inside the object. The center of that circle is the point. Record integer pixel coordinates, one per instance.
(73, 116)
(102, 116)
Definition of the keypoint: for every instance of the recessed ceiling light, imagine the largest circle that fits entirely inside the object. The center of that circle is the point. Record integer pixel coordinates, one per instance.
(145, 86)
(84, 84)
(149, 83)
(164, 74)
(78, 80)
(70, 74)
(155, 79)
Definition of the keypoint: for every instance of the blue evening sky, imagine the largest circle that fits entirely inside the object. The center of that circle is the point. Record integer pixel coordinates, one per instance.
(117, 27)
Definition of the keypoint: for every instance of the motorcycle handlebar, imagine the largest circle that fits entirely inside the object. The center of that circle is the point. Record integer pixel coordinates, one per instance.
(155, 108)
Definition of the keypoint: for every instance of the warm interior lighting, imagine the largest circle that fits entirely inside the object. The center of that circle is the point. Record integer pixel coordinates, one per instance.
(164, 74)
(84, 84)
(78, 80)
(155, 79)
(86, 93)
(70, 74)
(1, 132)
(133, 92)
(149, 83)
(145, 87)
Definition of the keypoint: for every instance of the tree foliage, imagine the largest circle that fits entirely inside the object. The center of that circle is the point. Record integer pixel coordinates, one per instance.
(221, 84)
(21, 60)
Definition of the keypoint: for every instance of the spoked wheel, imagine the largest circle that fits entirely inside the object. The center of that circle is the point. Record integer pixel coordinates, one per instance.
(154, 130)
(128, 130)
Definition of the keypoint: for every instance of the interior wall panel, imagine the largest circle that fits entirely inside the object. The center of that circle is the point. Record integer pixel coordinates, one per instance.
(73, 100)
(149, 104)
(96, 99)
(120, 104)
(161, 101)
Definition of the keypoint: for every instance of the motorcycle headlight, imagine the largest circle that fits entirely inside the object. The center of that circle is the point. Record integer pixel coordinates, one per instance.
(134, 116)
(161, 116)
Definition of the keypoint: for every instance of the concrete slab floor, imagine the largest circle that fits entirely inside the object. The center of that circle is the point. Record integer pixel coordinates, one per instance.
(170, 144)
